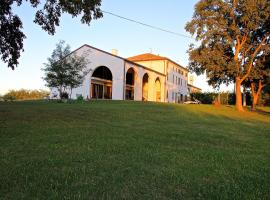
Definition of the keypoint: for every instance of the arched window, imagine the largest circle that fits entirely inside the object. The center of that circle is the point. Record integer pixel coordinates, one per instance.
(101, 83)
(145, 87)
(130, 80)
(158, 90)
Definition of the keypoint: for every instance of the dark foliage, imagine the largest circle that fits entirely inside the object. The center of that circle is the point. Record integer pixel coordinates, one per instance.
(11, 26)
(64, 70)
(232, 35)
(204, 98)
(64, 95)
(24, 94)
(225, 98)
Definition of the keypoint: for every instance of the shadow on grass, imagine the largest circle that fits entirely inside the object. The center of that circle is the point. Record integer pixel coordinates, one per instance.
(263, 112)
(226, 112)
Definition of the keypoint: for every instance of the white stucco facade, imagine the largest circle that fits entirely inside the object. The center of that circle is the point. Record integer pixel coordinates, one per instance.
(116, 78)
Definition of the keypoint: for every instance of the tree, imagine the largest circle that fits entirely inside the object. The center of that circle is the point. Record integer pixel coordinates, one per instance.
(56, 68)
(231, 34)
(76, 71)
(65, 70)
(24, 94)
(12, 36)
(259, 78)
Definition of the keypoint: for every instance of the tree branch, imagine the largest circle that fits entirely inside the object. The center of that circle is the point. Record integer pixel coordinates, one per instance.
(253, 56)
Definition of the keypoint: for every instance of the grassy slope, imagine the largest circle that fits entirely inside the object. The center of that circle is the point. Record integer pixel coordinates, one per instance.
(129, 150)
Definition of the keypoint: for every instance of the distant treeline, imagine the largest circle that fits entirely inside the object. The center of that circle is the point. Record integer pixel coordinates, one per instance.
(24, 94)
(228, 98)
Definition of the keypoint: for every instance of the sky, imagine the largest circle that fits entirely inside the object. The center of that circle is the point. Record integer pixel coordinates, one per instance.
(106, 33)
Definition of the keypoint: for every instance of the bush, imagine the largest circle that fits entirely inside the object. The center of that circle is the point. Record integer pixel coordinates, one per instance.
(231, 99)
(64, 95)
(79, 98)
(9, 97)
(24, 94)
(204, 98)
(267, 100)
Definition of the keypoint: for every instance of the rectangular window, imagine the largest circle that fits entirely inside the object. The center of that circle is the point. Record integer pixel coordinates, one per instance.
(172, 95)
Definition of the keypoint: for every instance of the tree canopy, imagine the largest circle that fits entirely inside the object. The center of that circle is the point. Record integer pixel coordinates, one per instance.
(231, 34)
(48, 17)
(65, 70)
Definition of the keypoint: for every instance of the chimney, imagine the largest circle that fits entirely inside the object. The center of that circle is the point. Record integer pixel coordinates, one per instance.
(115, 52)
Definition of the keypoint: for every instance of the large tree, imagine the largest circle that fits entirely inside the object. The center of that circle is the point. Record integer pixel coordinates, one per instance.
(230, 35)
(76, 70)
(65, 70)
(259, 78)
(11, 27)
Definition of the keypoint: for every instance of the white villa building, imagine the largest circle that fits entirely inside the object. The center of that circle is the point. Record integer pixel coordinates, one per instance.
(145, 77)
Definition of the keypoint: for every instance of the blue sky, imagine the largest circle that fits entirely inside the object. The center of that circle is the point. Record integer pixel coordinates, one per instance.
(107, 33)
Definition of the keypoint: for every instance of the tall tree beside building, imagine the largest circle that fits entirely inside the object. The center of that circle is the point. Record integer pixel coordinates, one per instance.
(230, 35)
(64, 70)
(48, 17)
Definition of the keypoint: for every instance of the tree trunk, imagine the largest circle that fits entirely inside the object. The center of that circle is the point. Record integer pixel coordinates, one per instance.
(60, 92)
(70, 93)
(256, 94)
(244, 97)
(254, 101)
(238, 94)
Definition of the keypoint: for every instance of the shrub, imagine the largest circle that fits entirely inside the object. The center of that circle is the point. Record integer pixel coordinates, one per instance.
(204, 98)
(9, 97)
(64, 95)
(24, 94)
(79, 98)
(232, 99)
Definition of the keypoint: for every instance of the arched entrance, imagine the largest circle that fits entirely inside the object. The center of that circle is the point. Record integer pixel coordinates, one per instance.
(130, 81)
(158, 90)
(101, 83)
(145, 87)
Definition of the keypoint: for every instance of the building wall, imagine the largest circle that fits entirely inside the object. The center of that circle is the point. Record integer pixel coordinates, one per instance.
(118, 68)
(96, 59)
(157, 65)
(177, 79)
(138, 86)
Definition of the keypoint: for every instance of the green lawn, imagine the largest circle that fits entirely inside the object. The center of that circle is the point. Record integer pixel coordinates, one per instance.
(132, 150)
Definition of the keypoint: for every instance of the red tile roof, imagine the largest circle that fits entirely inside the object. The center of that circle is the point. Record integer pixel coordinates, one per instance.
(146, 57)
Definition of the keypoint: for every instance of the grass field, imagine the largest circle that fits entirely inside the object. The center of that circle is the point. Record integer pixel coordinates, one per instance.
(132, 150)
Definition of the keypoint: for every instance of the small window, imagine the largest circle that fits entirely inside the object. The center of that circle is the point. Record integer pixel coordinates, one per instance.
(172, 95)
